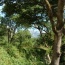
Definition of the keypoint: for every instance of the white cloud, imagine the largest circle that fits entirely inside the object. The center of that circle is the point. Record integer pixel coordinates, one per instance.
(34, 32)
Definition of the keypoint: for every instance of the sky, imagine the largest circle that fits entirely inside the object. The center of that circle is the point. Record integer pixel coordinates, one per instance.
(1, 14)
(34, 32)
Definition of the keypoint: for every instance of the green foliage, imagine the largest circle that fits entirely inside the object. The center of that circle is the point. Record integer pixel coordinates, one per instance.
(22, 53)
(21, 37)
(24, 50)
(2, 29)
(4, 57)
(3, 33)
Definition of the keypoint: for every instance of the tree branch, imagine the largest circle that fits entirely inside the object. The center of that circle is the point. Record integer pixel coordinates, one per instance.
(50, 14)
(60, 23)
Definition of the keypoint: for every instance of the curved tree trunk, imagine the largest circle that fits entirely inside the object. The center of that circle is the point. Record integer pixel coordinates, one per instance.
(57, 29)
(56, 49)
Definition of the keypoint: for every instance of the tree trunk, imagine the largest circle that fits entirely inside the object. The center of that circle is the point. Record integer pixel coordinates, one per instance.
(56, 49)
(40, 33)
(8, 35)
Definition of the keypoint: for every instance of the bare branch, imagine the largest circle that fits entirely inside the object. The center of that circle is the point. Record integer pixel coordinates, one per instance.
(60, 13)
(50, 14)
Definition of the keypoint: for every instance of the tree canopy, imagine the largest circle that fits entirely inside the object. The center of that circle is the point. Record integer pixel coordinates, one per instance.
(44, 15)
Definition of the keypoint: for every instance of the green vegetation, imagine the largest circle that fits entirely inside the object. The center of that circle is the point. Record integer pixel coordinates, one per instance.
(18, 47)
(21, 51)
(25, 50)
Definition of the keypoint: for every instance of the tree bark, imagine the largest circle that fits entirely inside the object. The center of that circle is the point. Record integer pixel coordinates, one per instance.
(56, 49)
(9, 35)
(57, 29)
